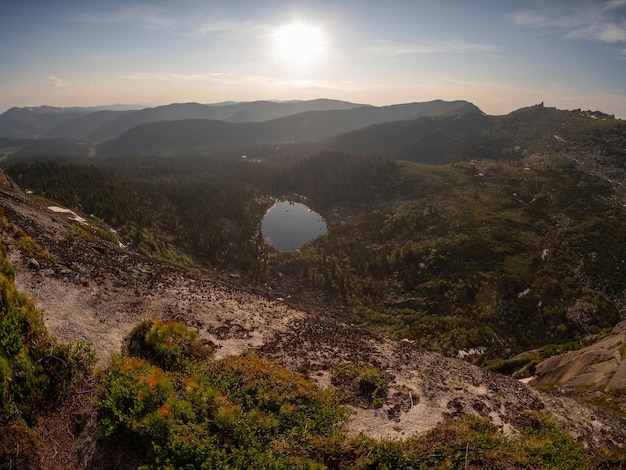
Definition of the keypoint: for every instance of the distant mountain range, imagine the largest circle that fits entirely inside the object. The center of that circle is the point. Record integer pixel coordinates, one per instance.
(35, 122)
(435, 132)
(311, 119)
(104, 122)
(431, 132)
(313, 125)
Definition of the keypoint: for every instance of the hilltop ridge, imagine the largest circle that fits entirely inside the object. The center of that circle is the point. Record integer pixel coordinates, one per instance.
(102, 123)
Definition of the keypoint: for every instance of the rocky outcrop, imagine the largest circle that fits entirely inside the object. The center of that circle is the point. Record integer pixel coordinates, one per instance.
(600, 365)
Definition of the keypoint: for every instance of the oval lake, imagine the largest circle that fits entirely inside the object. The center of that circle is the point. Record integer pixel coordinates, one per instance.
(288, 225)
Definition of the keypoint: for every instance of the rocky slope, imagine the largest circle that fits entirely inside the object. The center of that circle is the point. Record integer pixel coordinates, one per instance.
(98, 291)
(600, 366)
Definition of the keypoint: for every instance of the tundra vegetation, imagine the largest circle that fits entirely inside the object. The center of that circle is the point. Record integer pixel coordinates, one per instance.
(181, 408)
(475, 254)
(492, 235)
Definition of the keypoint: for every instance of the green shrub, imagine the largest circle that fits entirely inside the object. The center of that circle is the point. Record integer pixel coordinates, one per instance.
(6, 269)
(4, 222)
(169, 341)
(31, 249)
(135, 393)
(367, 382)
(549, 447)
(510, 366)
(613, 401)
(82, 233)
(35, 370)
(373, 383)
(474, 442)
(165, 344)
(238, 412)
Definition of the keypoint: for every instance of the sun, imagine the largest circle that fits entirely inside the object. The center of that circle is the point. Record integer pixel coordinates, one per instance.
(299, 43)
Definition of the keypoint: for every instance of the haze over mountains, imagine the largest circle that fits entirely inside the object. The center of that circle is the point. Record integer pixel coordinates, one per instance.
(499, 239)
(431, 132)
(34, 122)
(99, 124)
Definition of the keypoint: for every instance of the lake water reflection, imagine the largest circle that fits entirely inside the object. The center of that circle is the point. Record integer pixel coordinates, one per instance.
(288, 225)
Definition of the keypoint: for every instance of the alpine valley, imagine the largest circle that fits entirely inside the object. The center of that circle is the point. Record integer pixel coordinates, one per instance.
(465, 307)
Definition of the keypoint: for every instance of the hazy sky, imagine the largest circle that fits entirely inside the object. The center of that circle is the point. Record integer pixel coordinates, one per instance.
(500, 55)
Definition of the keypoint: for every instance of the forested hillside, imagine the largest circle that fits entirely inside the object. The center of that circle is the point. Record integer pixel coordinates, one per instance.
(492, 255)
(502, 256)
(213, 219)
(165, 401)
(512, 238)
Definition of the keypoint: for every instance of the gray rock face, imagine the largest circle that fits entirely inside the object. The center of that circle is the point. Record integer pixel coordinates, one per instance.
(619, 378)
(599, 365)
(33, 264)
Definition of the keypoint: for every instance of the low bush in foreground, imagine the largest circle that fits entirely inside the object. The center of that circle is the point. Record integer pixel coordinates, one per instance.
(35, 369)
(184, 410)
(244, 412)
(239, 412)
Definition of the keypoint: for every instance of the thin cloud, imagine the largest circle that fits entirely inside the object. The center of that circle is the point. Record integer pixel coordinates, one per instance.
(172, 77)
(602, 32)
(227, 26)
(147, 17)
(614, 4)
(535, 19)
(57, 83)
(240, 80)
(599, 23)
(390, 48)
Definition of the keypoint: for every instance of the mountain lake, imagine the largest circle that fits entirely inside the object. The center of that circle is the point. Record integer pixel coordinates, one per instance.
(288, 225)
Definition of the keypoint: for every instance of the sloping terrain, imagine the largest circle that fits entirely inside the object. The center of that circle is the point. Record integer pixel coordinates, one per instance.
(255, 111)
(34, 122)
(427, 139)
(98, 291)
(454, 137)
(600, 366)
(82, 126)
(194, 135)
(109, 121)
(498, 256)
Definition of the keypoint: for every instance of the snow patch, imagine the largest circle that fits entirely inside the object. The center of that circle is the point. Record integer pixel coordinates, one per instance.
(73, 215)
(471, 352)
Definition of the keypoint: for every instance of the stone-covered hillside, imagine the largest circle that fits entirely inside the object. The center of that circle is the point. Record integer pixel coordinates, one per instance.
(97, 291)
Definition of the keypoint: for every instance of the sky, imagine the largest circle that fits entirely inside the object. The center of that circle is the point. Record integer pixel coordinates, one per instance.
(499, 55)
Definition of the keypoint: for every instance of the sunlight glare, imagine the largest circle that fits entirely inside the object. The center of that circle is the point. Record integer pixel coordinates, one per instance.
(299, 43)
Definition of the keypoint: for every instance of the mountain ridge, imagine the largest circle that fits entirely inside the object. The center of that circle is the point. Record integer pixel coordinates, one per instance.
(309, 125)
(80, 123)
(551, 165)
